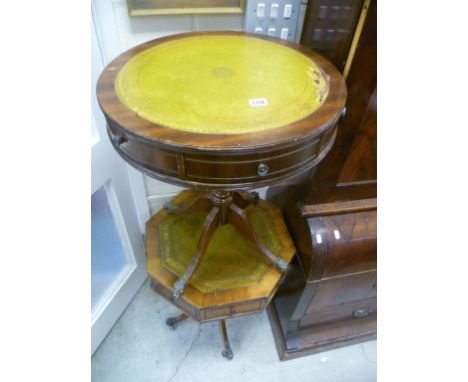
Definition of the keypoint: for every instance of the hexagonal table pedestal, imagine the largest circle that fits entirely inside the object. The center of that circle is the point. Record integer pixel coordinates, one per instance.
(232, 278)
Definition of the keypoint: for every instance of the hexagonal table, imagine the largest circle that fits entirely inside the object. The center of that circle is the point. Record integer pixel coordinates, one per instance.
(233, 279)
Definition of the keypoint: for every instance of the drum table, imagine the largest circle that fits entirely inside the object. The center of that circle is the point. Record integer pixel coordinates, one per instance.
(220, 113)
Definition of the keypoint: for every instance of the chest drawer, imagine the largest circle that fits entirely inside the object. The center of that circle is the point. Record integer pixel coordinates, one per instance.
(342, 297)
(354, 310)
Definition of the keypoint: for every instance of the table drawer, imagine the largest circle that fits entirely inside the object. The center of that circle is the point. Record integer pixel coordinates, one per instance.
(232, 310)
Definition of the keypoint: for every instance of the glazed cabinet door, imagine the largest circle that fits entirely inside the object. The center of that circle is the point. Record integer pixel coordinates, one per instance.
(117, 245)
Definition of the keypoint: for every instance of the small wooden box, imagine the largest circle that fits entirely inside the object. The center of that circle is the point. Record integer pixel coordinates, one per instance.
(329, 299)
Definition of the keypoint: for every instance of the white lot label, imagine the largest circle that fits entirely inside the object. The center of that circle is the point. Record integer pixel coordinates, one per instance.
(258, 102)
(318, 237)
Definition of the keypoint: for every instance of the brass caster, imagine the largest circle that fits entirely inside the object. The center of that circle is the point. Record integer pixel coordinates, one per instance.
(228, 354)
(171, 322)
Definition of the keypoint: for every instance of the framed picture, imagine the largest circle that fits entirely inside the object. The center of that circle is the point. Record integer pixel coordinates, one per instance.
(167, 7)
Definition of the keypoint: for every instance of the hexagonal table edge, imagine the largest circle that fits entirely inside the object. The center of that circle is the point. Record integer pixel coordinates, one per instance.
(219, 304)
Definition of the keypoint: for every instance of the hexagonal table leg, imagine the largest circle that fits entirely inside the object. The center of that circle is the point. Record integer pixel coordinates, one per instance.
(172, 321)
(210, 226)
(227, 352)
(238, 218)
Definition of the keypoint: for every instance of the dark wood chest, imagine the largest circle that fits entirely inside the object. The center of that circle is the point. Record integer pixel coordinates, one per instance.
(329, 298)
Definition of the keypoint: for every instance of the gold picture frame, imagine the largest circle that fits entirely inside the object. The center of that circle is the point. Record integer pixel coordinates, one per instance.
(174, 7)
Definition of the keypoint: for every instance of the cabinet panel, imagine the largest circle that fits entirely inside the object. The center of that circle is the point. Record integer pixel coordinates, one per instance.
(342, 290)
(352, 310)
(353, 157)
(329, 27)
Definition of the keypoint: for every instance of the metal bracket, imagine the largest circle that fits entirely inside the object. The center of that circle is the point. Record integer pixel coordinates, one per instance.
(179, 287)
(254, 196)
(169, 207)
(171, 322)
(281, 264)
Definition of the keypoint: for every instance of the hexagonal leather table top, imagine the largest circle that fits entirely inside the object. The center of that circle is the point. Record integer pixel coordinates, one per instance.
(230, 261)
(232, 279)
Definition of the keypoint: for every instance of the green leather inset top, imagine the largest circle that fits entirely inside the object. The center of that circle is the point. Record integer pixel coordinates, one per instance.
(221, 84)
(230, 261)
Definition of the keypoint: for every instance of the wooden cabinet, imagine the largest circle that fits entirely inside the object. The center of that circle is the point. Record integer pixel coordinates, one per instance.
(353, 158)
(329, 297)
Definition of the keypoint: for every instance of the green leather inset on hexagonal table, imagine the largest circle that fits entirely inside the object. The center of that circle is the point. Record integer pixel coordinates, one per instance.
(230, 260)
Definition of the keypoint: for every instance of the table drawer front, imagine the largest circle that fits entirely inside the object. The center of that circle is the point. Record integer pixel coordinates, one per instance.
(230, 169)
(232, 310)
(249, 167)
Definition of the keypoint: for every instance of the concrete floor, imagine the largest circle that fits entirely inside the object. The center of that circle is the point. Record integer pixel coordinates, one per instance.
(140, 348)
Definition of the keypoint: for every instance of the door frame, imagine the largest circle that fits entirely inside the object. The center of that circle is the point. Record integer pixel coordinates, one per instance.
(106, 46)
(109, 44)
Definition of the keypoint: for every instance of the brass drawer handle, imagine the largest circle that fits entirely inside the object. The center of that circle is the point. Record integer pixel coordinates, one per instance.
(363, 312)
(263, 169)
(120, 140)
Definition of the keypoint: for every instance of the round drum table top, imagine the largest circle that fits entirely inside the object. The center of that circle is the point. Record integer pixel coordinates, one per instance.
(221, 84)
(221, 90)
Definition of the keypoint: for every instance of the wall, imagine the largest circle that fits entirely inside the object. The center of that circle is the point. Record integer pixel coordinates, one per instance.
(136, 30)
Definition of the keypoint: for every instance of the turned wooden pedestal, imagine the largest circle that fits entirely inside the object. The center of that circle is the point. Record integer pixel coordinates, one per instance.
(329, 297)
